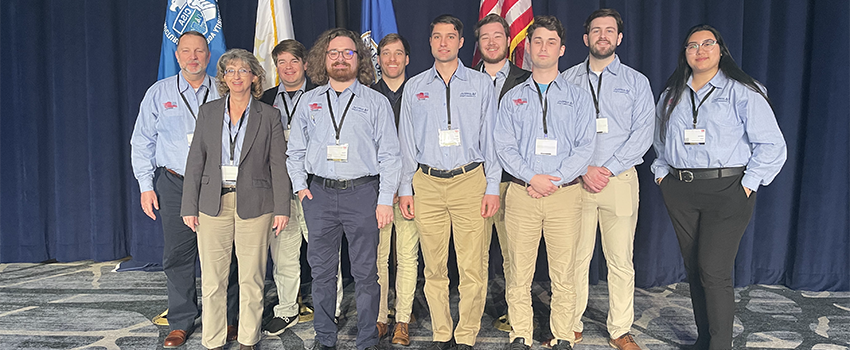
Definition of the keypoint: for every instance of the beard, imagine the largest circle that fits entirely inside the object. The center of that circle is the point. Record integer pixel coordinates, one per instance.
(603, 54)
(502, 55)
(341, 72)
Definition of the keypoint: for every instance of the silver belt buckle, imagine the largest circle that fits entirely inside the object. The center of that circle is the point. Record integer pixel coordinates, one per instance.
(686, 175)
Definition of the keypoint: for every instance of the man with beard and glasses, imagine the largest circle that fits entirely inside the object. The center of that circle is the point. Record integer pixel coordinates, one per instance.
(623, 106)
(544, 138)
(446, 133)
(159, 149)
(393, 56)
(344, 163)
(493, 35)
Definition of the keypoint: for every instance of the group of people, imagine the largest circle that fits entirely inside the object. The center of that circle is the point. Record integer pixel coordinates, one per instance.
(446, 154)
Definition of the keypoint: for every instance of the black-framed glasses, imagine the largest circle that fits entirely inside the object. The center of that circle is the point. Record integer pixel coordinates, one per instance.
(346, 54)
(707, 45)
(241, 71)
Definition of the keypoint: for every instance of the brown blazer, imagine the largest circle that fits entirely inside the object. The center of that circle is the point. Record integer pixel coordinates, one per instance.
(262, 186)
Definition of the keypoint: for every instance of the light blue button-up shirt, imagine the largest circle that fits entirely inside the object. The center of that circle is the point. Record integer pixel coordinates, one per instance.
(368, 129)
(499, 81)
(160, 137)
(570, 120)
(740, 127)
(235, 132)
(625, 99)
(282, 101)
(423, 114)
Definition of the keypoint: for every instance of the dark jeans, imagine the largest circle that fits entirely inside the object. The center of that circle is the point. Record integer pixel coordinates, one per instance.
(180, 256)
(709, 217)
(329, 214)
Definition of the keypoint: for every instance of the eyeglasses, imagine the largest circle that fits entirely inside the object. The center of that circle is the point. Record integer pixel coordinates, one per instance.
(346, 54)
(707, 45)
(241, 71)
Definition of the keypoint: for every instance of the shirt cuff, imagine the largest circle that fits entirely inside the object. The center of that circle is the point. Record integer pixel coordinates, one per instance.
(385, 198)
(660, 172)
(493, 188)
(615, 166)
(751, 182)
(298, 185)
(146, 184)
(405, 189)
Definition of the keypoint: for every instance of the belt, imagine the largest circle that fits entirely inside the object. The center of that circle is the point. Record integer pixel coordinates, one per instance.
(226, 190)
(525, 184)
(344, 184)
(689, 175)
(174, 173)
(448, 174)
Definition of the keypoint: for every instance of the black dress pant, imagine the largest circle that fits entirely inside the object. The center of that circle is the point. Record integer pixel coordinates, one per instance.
(709, 217)
(179, 259)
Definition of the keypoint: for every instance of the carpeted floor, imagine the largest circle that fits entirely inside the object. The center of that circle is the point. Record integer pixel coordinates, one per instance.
(84, 305)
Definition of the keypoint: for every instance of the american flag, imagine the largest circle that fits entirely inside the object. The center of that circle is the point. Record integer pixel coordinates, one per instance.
(519, 16)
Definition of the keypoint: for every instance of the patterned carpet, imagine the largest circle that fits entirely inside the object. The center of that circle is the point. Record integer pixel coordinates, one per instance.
(85, 305)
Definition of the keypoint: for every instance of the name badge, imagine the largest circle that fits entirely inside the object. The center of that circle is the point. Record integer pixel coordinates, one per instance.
(229, 173)
(694, 136)
(338, 153)
(189, 137)
(449, 138)
(546, 147)
(286, 134)
(601, 125)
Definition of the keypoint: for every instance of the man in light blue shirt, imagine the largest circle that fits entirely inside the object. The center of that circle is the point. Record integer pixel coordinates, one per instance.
(160, 144)
(344, 164)
(623, 106)
(545, 136)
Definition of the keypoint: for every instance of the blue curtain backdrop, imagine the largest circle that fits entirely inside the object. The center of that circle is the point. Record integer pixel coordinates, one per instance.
(72, 75)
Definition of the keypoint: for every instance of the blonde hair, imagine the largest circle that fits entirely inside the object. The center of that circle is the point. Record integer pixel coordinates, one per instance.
(246, 58)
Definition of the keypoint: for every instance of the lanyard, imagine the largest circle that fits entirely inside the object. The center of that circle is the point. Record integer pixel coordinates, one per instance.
(596, 95)
(448, 100)
(230, 132)
(545, 104)
(207, 94)
(695, 108)
(338, 128)
(294, 107)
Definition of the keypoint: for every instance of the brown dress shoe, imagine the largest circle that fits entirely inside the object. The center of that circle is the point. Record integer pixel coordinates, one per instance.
(246, 347)
(382, 329)
(232, 332)
(174, 339)
(578, 337)
(401, 335)
(624, 342)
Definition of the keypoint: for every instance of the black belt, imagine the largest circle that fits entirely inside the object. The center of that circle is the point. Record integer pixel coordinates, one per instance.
(226, 190)
(525, 184)
(448, 174)
(343, 184)
(174, 173)
(688, 175)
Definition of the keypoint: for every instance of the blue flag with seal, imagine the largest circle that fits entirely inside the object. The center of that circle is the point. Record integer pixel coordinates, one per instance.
(377, 19)
(186, 15)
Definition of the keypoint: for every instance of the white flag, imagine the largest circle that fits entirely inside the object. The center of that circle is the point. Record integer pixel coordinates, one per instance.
(274, 24)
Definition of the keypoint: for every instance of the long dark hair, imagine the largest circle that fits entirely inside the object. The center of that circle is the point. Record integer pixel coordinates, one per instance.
(677, 82)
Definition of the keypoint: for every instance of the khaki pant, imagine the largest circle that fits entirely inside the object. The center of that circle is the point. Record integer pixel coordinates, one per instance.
(501, 232)
(615, 208)
(407, 255)
(217, 235)
(558, 216)
(286, 256)
(443, 206)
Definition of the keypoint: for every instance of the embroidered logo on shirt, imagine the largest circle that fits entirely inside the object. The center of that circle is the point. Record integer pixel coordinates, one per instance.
(621, 91)
(467, 94)
(565, 103)
(422, 96)
(721, 99)
(359, 109)
(520, 102)
(315, 106)
(169, 105)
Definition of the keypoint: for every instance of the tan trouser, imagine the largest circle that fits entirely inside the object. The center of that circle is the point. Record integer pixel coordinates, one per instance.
(441, 205)
(615, 208)
(501, 232)
(217, 235)
(407, 254)
(286, 256)
(558, 216)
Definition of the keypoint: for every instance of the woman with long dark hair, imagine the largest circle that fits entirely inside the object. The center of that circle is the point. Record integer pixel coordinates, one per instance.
(717, 141)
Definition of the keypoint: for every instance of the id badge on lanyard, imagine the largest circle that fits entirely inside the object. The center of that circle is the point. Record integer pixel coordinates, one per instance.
(338, 153)
(546, 147)
(449, 138)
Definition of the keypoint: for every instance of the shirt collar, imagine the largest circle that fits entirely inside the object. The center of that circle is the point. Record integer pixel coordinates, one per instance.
(613, 67)
(354, 88)
(718, 81)
(281, 88)
(227, 108)
(503, 72)
(559, 82)
(460, 72)
(183, 84)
